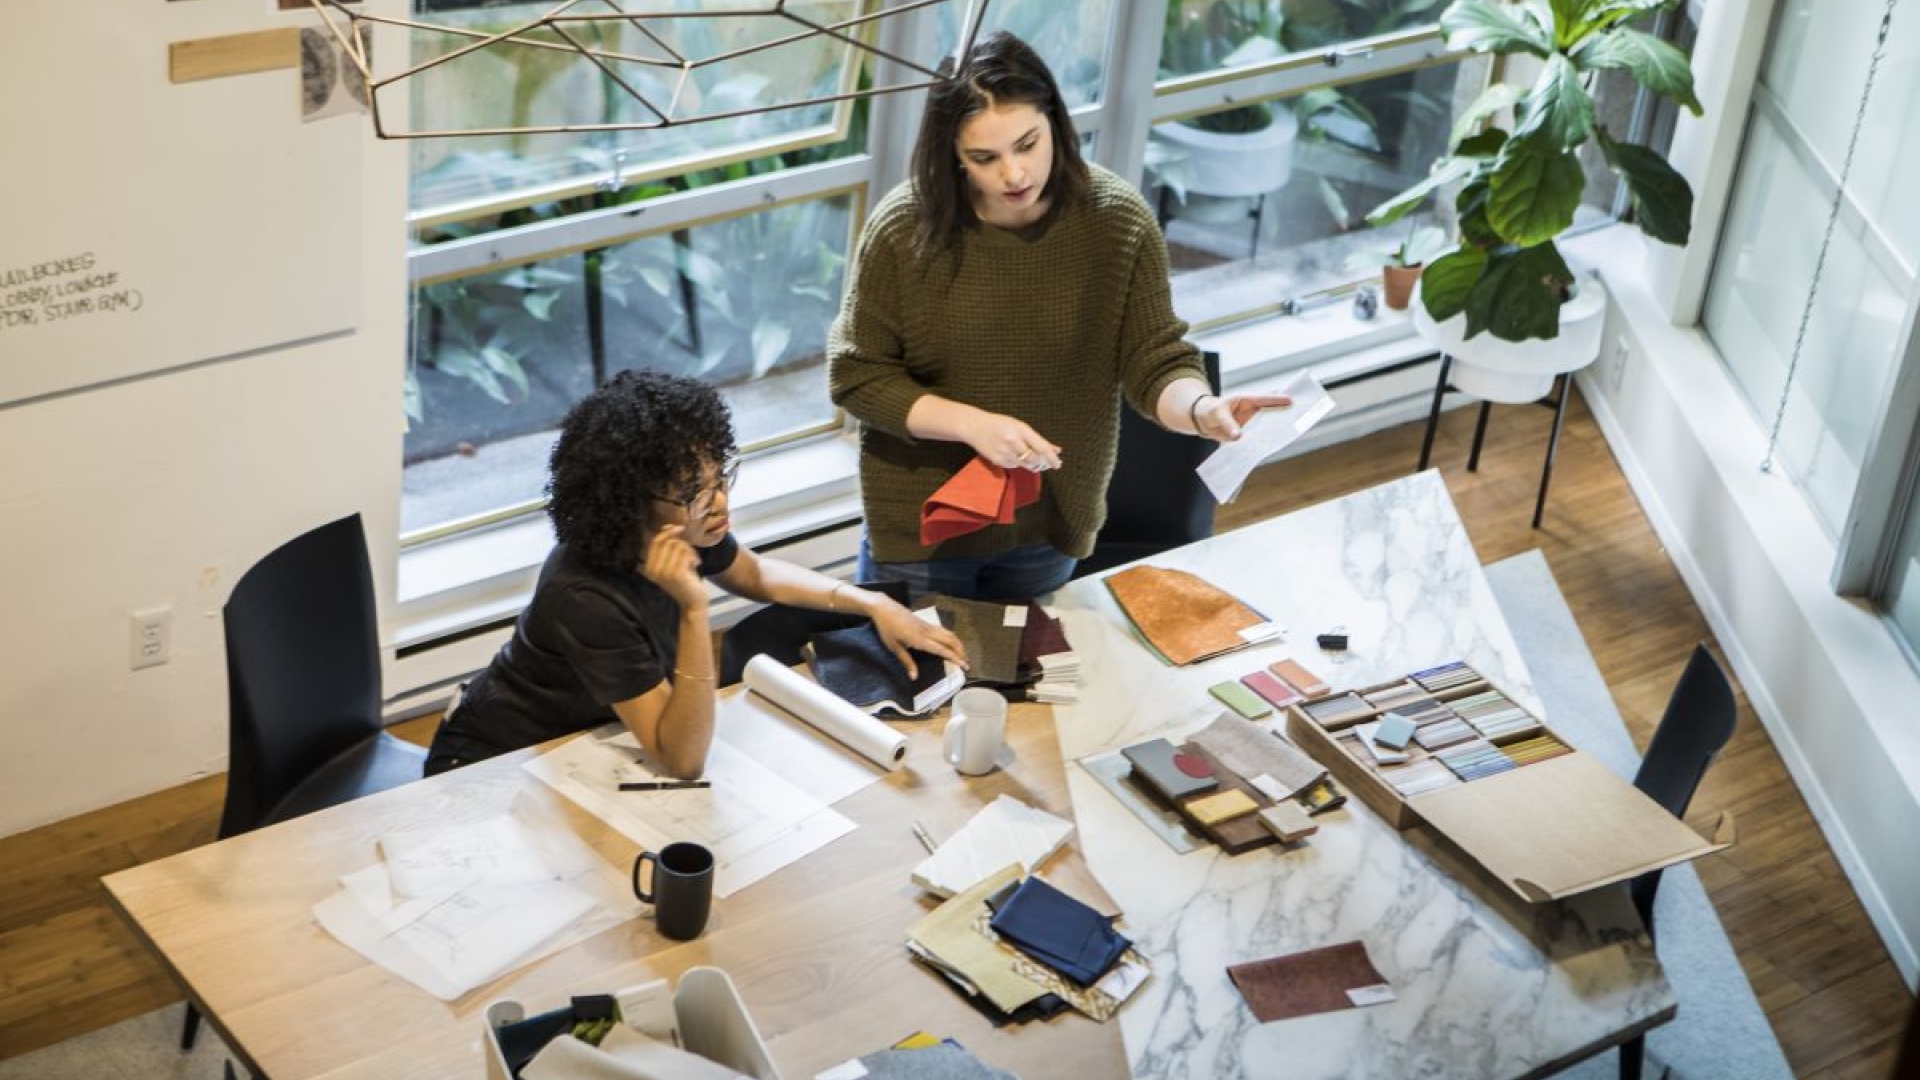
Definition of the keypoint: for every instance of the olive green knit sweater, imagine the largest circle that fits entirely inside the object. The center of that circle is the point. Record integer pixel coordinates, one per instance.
(1050, 325)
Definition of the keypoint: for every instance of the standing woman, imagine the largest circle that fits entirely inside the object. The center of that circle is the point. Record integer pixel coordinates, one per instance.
(617, 627)
(1003, 303)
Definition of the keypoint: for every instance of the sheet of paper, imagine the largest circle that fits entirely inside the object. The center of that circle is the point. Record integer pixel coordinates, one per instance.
(752, 819)
(450, 946)
(819, 766)
(1005, 831)
(501, 849)
(1269, 432)
(476, 916)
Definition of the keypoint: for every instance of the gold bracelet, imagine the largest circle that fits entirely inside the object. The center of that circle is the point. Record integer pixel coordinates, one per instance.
(833, 592)
(678, 674)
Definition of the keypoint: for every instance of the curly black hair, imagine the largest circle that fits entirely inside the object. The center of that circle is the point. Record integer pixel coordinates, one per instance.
(643, 434)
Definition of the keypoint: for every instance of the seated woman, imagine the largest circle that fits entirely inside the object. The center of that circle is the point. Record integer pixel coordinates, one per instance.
(617, 627)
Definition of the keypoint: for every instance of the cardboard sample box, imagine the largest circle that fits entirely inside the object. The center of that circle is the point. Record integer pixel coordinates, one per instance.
(1547, 829)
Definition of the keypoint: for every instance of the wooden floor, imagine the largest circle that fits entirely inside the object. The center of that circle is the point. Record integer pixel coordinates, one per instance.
(1828, 987)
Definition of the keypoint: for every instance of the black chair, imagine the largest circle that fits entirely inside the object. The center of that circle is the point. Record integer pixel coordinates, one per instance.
(303, 689)
(1698, 722)
(1155, 501)
(781, 631)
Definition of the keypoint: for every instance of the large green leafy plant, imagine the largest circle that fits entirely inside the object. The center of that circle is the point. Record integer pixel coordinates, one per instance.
(1520, 188)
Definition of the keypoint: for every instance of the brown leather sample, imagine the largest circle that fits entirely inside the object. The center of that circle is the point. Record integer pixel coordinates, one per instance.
(1180, 614)
(1304, 983)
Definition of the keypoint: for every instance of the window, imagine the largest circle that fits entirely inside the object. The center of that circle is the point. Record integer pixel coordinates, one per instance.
(1797, 132)
(544, 263)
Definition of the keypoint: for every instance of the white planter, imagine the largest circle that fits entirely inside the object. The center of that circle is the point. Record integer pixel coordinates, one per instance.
(1513, 372)
(1240, 164)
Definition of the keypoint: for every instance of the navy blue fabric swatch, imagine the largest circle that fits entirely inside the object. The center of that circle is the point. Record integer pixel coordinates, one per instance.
(1059, 931)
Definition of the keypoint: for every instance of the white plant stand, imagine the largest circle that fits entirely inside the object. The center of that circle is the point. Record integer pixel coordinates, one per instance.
(1509, 372)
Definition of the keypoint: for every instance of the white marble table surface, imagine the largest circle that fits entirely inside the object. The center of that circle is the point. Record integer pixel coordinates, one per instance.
(1489, 987)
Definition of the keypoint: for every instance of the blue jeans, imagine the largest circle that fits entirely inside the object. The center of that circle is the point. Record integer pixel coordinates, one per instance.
(1020, 574)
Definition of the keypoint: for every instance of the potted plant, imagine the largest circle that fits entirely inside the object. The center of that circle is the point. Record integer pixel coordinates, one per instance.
(1519, 188)
(1404, 263)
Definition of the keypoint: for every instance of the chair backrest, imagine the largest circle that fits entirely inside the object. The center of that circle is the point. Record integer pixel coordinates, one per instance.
(1698, 722)
(303, 666)
(1155, 500)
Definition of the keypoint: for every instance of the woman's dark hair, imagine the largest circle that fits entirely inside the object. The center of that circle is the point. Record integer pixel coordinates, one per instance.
(644, 434)
(999, 69)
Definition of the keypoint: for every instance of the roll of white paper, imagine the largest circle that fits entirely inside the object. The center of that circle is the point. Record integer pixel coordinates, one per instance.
(826, 711)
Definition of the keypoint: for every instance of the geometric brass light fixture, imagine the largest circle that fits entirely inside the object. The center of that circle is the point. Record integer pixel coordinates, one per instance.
(556, 30)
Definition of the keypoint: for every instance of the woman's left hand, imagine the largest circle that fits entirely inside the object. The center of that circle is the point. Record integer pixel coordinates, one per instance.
(901, 630)
(1221, 418)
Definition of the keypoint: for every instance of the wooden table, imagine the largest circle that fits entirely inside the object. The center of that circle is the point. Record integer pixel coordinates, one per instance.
(816, 949)
(1490, 988)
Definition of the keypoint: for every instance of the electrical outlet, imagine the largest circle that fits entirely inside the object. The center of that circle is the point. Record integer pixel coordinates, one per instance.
(152, 643)
(1616, 370)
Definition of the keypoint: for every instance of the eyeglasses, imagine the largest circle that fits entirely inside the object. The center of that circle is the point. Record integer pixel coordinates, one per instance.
(698, 501)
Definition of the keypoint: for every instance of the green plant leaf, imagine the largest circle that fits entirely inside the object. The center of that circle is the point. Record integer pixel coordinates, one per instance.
(1446, 283)
(1336, 206)
(1519, 295)
(1567, 16)
(540, 304)
(769, 341)
(1492, 26)
(1482, 146)
(1491, 100)
(1602, 14)
(657, 279)
(464, 363)
(1662, 200)
(1471, 210)
(1657, 65)
(507, 366)
(1445, 171)
(1533, 192)
(1558, 109)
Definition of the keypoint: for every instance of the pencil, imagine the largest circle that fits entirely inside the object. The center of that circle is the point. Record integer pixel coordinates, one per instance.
(664, 785)
(926, 841)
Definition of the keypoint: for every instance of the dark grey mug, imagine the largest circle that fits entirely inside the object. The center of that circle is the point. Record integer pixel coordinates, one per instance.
(680, 888)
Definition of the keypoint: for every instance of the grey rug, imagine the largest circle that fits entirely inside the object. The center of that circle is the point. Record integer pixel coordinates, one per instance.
(1720, 1034)
(1721, 1031)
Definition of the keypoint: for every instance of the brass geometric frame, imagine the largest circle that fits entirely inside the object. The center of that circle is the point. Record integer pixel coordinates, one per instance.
(350, 32)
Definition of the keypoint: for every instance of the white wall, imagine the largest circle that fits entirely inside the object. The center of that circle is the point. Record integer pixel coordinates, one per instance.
(161, 490)
(1823, 673)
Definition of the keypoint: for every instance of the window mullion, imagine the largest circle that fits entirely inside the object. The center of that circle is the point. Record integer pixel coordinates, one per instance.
(1889, 469)
(1189, 95)
(601, 228)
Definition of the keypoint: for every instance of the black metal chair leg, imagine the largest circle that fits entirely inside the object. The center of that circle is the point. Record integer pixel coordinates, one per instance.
(1259, 212)
(190, 1029)
(1433, 415)
(1479, 436)
(1565, 383)
(1633, 1055)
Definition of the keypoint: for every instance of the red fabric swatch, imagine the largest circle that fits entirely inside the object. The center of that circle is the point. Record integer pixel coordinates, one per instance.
(979, 495)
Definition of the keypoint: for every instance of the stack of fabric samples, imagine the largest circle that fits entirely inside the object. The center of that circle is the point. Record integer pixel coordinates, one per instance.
(1019, 649)
(1048, 664)
(855, 665)
(1018, 951)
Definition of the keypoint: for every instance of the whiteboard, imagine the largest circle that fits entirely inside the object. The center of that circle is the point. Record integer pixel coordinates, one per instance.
(147, 225)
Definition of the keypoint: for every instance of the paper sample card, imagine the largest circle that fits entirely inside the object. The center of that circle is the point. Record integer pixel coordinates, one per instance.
(1240, 699)
(1264, 683)
(1222, 806)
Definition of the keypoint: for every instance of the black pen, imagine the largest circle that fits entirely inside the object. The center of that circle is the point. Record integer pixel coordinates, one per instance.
(664, 785)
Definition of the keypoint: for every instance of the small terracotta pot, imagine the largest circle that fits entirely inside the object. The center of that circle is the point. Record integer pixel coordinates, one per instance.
(1398, 281)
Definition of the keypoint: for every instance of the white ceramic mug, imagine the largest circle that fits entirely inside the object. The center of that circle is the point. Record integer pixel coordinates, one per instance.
(975, 731)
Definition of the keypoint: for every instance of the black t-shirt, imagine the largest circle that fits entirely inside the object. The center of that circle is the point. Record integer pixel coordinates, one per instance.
(589, 638)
